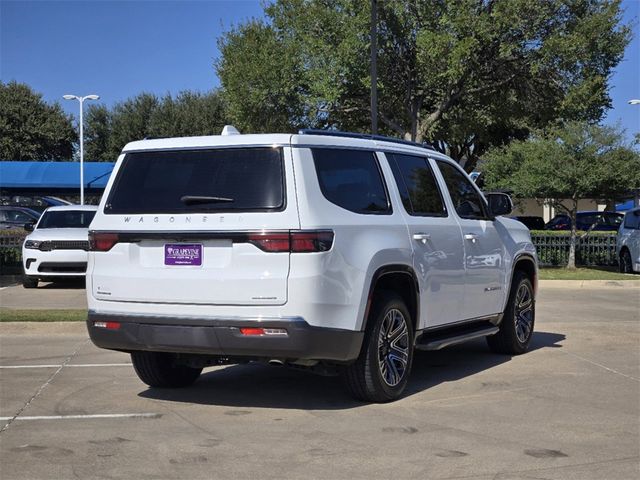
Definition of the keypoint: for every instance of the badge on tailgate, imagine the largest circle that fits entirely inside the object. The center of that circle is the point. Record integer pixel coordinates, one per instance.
(183, 254)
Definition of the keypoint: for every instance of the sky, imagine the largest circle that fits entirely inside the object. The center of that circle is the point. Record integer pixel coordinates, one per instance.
(117, 49)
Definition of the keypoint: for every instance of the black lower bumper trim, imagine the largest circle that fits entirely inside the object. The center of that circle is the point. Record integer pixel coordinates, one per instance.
(180, 335)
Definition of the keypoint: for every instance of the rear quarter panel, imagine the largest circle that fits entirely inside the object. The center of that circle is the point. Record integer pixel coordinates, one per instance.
(335, 285)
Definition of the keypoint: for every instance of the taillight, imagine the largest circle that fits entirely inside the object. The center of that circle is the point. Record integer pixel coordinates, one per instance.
(294, 241)
(270, 242)
(318, 241)
(102, 242)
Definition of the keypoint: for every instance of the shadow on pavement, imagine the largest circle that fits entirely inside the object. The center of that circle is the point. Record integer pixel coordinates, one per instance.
(263, 386)
(9, 280)
(66, 284)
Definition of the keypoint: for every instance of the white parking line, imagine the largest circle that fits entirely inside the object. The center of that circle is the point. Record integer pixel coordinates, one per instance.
(80, 365)
(84, 417)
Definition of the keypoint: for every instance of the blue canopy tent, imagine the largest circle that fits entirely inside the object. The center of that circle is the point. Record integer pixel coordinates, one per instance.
(50, 178)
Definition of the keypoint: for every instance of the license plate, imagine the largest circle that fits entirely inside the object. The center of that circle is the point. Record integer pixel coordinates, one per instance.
(183, 254)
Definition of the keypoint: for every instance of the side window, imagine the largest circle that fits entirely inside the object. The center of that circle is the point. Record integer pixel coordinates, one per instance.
(632, 221)
(466, 200)
(18, 217)
(417, 185)
(352, 180)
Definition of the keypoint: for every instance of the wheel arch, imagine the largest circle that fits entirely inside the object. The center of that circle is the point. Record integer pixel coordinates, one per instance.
(527, 264)
(398, 278)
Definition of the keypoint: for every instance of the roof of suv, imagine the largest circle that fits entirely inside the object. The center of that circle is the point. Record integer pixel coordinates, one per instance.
(278, 139)
(91, 208)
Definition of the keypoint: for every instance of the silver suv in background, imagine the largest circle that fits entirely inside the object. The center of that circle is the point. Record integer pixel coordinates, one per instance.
(628, 244)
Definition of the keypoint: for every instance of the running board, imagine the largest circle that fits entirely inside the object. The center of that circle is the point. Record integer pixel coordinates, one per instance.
(440, 339)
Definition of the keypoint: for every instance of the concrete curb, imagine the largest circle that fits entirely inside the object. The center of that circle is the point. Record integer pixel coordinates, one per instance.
(599, 284)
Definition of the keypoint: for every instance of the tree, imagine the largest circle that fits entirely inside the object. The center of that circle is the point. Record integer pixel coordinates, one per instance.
(30, 128)
(466, 75)
(97, 135)
(566, 164)
(145, 115)
(190, 113)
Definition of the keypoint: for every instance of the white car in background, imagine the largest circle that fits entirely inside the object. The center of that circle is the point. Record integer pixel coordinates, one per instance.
(58, 244)
(628, 245)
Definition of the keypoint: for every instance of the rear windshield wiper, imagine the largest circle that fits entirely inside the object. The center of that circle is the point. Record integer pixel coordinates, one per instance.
(197, 200)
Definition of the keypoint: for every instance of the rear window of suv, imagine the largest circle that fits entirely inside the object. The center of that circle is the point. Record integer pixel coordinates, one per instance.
(190, 181)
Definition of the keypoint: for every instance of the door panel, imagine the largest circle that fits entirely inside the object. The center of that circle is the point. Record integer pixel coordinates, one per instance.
(484, 264)
(438, 255)
(484, 250)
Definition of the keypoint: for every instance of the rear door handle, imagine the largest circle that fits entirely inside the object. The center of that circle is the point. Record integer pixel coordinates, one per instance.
(422, 237)
(471, 236)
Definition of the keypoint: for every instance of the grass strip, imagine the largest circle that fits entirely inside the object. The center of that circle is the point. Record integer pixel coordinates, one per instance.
(594, 273)
(10, 315)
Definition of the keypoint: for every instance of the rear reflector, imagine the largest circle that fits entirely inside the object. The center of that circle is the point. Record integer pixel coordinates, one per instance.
(102, 242)
(258, 332)
(107, 325)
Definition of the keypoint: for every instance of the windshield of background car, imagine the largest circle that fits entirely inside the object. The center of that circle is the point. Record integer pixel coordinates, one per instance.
(191, 181)
(66, 219)
(613, 219)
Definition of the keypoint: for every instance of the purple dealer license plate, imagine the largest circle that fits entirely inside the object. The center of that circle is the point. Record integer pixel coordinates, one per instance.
(183, 254)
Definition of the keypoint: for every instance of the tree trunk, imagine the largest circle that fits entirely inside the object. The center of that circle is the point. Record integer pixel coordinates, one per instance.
(610, 204)
(571, 264)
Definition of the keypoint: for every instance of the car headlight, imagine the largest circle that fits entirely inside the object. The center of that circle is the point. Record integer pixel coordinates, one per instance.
(42, 245)
(35, 244)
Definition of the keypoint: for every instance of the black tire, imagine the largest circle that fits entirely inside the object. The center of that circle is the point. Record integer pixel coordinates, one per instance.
(378, 374)
(29, 282)
(516, 328)
(626, 266)
(159, 369)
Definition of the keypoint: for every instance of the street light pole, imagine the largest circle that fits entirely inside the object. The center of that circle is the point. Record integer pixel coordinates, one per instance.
(374, 66)
(636, 197)
(81, 101)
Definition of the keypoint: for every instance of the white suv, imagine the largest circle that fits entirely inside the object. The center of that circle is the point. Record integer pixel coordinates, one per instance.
(336, 252)
(629, 242)
(57, 247)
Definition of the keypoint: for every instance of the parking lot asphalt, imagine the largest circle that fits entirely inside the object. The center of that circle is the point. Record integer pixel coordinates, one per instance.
(67, 295)
(568, 409)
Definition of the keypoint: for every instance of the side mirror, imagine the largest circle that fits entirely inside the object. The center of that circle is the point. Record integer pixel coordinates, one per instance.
(499, 203)
(28, 227)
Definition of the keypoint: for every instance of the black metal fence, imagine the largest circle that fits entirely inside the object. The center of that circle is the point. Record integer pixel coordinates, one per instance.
(594, 249)
(11, 251)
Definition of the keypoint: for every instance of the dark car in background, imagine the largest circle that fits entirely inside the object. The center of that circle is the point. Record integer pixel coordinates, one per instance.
(17, 217)
(531, 222)
(587, 220)
(37, 203)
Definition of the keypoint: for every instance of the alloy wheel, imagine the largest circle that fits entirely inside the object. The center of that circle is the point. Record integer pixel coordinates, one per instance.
(523, 312)
(393, 347)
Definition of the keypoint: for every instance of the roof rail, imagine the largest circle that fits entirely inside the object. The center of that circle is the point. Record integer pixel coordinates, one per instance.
(364, 136)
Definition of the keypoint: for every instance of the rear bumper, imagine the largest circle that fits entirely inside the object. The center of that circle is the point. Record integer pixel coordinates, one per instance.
(222, 337)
